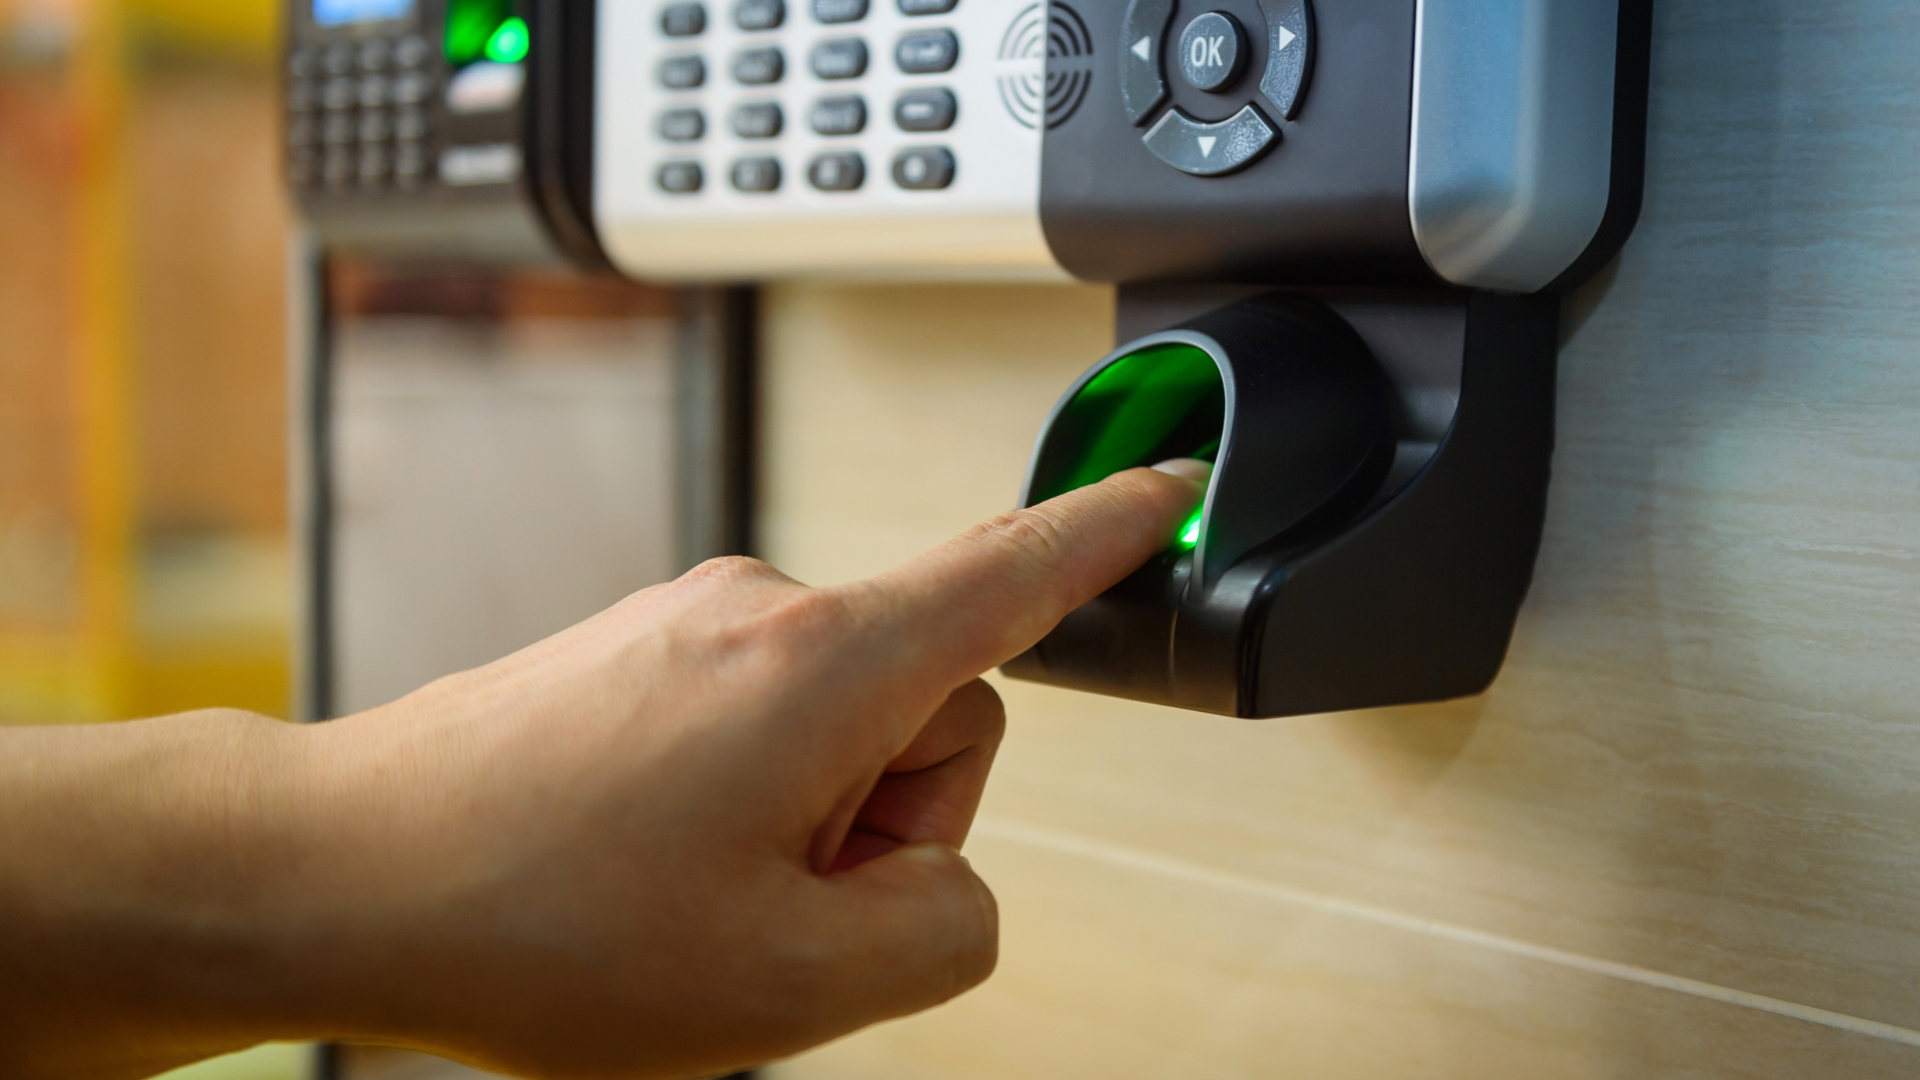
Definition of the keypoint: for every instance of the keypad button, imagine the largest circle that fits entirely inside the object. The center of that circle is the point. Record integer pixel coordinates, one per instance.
(1203, 149)
(683, 20)
(1213, 51)
(682, 72)
(413, 88)
(301, 131)
(339, 59)
(412, 51)
(928, 169)
(1289, 54)
(338, 129)
(300, 95)
(374, 91)
(304, 62)
(1142, 88)
(837, 172)
(756, 174)
(375, 125)
(759, 14)
(759, 67)
(375, 54)
(759, 120)
(926, 7)
(374, 165)
(339, 93)
(682, 125)
(680, 177)
(410, 123)
(303, 168)
(337, 166)
(927, 52)
(409, 164)
(925, 110)
(843, 115)
(839, 11)
(840, 58)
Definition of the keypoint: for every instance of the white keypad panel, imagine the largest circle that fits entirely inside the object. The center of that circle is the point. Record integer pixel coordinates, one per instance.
(762, 138)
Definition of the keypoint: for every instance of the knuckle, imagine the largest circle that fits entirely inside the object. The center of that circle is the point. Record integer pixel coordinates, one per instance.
(1030, 530)
(809, 614)
(732, 570)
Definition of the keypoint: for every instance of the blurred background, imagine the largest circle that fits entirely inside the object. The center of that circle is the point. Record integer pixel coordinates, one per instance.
(502, 444)
(144, 244)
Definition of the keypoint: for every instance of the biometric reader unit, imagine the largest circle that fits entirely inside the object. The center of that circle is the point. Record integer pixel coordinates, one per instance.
(1340, 230)
(443, 129)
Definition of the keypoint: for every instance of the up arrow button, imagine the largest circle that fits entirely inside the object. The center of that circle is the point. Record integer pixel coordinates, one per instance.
(1191, 146)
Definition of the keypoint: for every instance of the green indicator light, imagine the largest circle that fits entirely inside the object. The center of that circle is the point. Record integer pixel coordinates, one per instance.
(508, 45)
(1190, 533)
(472, 26)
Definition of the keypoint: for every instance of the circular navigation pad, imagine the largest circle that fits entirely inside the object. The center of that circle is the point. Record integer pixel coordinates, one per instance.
(1213, 50)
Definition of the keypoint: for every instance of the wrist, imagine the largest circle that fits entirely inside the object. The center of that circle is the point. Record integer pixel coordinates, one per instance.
(146, 871)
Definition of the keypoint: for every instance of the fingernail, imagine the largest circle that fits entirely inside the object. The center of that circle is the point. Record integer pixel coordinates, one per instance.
(929, 851)
(1186, 468)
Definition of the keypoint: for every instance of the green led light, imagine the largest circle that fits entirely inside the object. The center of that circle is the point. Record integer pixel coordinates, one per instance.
(473, 25)
(508, 45)
(1190, 532)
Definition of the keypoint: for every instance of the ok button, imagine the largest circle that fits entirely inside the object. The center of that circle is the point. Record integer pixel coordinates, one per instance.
(1213, 50)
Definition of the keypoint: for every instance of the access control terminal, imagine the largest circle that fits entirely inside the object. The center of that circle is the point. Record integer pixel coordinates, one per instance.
(1340, 231)
(444, 128)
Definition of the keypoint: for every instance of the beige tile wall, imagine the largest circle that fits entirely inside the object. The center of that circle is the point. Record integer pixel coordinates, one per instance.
(1680, 836)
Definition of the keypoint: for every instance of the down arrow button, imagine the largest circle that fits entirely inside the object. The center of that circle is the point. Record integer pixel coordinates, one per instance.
(1210, 149)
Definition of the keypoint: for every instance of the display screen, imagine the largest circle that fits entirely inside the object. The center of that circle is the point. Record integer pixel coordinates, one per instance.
(344, 12)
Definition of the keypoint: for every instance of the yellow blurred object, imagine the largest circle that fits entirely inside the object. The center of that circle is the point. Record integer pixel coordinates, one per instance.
(144, 562)
(247, 28)
(269, 1061)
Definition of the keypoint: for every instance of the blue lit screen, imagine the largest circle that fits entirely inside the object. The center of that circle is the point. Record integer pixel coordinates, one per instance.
(342, 12)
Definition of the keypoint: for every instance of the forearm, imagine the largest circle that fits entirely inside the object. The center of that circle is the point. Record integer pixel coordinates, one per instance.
(141, 869)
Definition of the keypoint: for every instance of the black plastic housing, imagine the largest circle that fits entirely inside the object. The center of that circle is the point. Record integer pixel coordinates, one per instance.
(1399, 586)
(1328, 206)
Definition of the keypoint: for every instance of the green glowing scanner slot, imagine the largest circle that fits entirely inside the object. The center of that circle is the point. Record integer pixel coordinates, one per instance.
(1291, 407)
(1279, 394)
(1164, 401)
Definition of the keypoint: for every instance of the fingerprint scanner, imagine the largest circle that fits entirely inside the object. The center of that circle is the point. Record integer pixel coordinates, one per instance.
(1163, 401)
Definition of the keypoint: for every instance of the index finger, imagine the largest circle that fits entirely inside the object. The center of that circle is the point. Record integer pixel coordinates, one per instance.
(989, 594)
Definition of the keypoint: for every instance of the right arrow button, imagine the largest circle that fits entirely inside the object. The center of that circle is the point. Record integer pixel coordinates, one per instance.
(1289, 53)
(1210, 149)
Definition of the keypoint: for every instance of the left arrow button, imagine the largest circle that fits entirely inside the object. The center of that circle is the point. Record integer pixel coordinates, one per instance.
(1142, 86)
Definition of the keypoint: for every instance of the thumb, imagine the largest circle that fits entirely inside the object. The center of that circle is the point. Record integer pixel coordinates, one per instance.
(915, 927)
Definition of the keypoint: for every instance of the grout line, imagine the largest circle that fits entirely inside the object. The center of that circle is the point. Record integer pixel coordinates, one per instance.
(1135, 859)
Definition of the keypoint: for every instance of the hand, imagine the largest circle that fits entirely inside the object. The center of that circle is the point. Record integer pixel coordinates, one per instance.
(710, 827)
